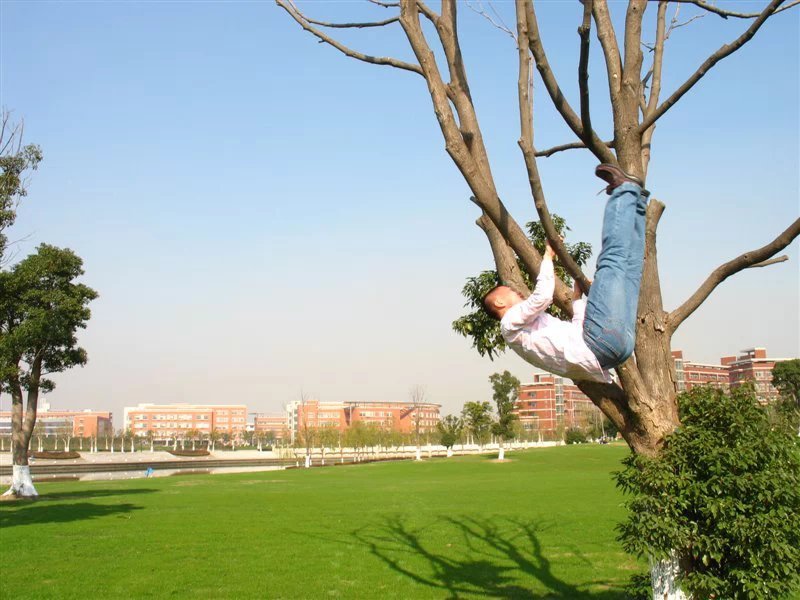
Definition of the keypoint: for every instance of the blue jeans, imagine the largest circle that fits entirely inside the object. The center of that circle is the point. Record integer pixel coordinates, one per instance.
(609, 327)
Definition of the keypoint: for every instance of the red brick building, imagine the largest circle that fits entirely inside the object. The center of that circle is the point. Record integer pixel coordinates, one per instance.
(692, 374)
(550, 401)
(399, 416)
(274, 424)
(81, 423)
(753, 365)
(170, 420)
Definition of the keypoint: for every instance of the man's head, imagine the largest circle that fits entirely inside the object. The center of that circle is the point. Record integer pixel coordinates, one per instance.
(499, 300)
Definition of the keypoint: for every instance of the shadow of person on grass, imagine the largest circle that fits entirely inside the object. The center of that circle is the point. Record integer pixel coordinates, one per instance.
(38, 512)
(486, 557)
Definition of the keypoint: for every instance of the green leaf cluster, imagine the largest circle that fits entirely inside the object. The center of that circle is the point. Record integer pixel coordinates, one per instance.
(724, 495)
(483, 330)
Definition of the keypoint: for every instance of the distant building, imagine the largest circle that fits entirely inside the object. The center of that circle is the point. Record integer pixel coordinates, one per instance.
(691, 374)
(753, 365)
(271, 423)
(81, 423)
(550, 401)
(399, 416)
(170, 420)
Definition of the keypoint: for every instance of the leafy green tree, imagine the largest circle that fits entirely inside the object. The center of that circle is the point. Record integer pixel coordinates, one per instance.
(41, 309)
(449, 428)
(477, 418)
(786, 379)
(327, 437)
(480, 327)
(722, 501)
(505, 391)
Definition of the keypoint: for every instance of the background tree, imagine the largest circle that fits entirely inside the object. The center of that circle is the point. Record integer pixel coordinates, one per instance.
(505, 391)
(449, 428)
(417, 396)
(643, 405)
(328, 438)
(41, 309)
(16, 161)
(786, 379)
(477, 418)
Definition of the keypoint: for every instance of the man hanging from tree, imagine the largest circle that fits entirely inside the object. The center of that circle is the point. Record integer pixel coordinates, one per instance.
(602, 332)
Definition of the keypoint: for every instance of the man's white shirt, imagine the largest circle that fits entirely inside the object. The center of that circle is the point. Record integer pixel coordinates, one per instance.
(547, 342)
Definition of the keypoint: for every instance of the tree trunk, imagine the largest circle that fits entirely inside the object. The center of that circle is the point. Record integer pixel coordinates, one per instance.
(502, 454)
(449, 451)
(21, 431)
(308, 461)
(663, 577)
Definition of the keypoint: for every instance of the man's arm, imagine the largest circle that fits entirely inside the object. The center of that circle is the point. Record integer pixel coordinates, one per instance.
(578, 304)
(523, 313)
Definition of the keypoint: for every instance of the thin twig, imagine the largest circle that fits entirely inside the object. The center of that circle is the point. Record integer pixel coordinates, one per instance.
(477, 8)
(303, 21)
(563, 147)
(729, 13)
(712, 60)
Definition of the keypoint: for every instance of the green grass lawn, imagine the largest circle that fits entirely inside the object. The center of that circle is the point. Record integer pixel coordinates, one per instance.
(538, 526)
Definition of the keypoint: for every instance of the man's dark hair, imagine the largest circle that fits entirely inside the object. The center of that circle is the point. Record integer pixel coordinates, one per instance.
(488, 307)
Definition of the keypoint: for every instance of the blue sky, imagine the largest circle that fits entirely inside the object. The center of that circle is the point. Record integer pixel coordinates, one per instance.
(262, 215)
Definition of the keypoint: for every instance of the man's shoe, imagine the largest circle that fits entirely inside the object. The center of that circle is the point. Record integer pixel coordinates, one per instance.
(615, 177)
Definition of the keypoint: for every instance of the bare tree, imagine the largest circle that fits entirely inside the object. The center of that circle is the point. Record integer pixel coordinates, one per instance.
(417, 396)
(643, 406)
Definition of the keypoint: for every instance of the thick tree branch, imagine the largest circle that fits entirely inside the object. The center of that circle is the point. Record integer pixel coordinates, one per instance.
(748, 259)
(504, 258)
(352, 25)
(303, 21)
(729, 13)
(608, 42)
(712, 60)
(526, 145)
(583, 65)
(655, 86)
(589, 137)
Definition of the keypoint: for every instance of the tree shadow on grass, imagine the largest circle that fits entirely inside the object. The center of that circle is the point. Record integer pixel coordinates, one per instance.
(37, 512)
(94, 493)
(489, 558)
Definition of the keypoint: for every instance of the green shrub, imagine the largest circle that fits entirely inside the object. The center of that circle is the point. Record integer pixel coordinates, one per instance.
(189, 452)
(54, 454)
(574, 436)
(724, 495)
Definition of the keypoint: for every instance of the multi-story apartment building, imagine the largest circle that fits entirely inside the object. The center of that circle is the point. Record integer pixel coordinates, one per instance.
(692, 374)
(170, 420)
(550, 401)
(753, 365)
(400, 416)
(81, 423)
(275, 424)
